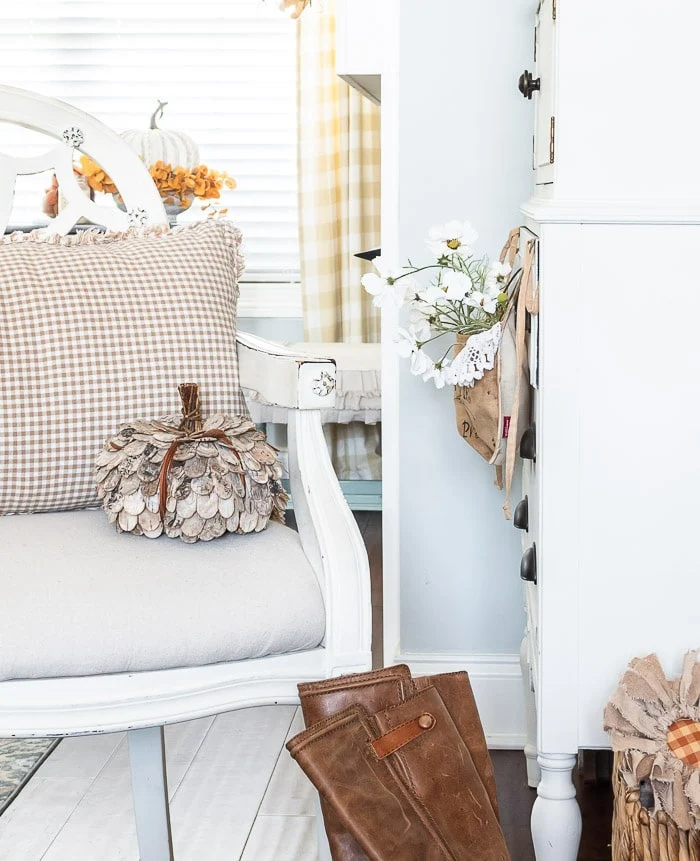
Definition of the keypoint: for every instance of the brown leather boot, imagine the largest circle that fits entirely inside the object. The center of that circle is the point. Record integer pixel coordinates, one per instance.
(381, 689)
(403, 782)
(375, 690)
(456, 692)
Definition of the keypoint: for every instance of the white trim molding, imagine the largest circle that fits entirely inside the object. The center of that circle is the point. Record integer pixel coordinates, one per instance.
(543, 210)
(259, 299)
(497, 684)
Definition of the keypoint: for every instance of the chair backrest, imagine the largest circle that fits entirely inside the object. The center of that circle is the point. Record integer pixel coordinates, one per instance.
(75, 130)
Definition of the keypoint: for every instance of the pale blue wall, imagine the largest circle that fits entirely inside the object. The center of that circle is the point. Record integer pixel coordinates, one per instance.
(465, 152)
(281, 329)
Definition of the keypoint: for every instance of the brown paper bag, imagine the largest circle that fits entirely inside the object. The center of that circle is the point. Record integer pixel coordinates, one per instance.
(493, 414)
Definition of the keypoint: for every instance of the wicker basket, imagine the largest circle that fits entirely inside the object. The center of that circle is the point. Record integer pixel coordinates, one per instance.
(638, 836)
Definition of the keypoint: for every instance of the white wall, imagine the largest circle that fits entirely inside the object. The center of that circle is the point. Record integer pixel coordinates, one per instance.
(464, 143)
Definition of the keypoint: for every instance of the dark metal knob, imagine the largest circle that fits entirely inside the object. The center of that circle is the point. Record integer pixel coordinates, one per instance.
(521, 518)
(528, 565)
(528, 444)
(528, 85)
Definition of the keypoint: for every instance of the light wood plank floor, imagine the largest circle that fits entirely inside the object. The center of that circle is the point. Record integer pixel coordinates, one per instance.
(235, 794)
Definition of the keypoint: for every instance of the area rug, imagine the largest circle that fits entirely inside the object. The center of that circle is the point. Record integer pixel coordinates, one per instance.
(19, 759)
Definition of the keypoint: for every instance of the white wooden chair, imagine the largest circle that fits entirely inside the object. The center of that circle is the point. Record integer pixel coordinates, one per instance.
(143, 702)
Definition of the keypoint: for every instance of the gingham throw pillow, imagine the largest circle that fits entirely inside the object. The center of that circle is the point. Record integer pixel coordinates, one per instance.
(98, 329)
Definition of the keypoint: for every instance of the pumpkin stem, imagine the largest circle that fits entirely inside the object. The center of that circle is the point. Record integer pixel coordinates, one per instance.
(157, 114)
(191, 410)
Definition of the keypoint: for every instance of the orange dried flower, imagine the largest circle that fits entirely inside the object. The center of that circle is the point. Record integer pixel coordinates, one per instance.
(96, 177)
(171, 182)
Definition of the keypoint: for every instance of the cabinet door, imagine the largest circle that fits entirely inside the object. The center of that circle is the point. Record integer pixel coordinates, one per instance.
(545, 120)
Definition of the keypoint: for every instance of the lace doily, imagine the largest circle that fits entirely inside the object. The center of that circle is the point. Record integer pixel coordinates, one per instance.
(477, 356)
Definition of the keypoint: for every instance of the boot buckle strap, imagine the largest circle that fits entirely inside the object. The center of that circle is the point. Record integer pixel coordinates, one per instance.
(401, 735)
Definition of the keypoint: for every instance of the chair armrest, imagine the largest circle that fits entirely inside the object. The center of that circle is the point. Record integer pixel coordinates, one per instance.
(284, 377)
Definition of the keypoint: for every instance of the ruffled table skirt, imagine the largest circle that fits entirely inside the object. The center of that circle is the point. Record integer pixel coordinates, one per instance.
(358, 401)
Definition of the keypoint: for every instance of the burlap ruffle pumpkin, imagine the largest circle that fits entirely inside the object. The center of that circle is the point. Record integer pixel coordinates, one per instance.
(654, 724)
(194, 480)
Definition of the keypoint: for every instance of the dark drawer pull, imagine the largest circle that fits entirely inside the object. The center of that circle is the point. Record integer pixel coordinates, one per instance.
(528, 565)
(528, 85)
(521, 519)
(528, 444)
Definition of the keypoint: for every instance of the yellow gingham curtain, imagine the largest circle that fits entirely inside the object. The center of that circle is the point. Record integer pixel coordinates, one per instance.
(339, 215)
(339, 189)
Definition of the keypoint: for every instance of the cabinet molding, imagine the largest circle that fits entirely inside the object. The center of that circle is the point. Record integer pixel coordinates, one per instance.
(497, 684)
(576, 211)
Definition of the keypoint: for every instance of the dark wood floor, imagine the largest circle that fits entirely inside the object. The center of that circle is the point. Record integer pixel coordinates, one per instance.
(370, 523)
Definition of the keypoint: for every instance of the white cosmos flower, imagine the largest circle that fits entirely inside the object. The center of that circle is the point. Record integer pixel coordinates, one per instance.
(418, 322)
(485, 301)
(452, 237)
(437, 375)
(499, 270)
(381, 291)
(497, 275)
(432, 295)
(419, 328)
(388, 286)
(406, 344)
(457, 284)
(492, 289)
(421, 363)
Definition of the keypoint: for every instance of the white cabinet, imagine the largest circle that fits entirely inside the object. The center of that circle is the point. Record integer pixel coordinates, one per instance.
(544, 149)
(612, 501)
(360, 44)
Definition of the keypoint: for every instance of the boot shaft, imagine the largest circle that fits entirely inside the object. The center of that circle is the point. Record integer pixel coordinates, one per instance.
(402, 780)
(381, 689)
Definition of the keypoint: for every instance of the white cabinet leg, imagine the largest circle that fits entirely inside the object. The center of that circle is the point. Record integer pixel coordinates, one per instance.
(533, 769)
(150, 792)
(556, 818)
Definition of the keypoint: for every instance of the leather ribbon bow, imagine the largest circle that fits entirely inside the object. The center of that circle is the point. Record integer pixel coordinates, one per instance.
(213, 434)
(190, 431)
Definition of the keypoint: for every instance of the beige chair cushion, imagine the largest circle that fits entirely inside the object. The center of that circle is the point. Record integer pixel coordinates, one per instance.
(78, 599)
(96, 330)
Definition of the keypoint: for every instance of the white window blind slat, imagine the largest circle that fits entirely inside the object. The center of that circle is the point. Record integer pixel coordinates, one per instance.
(226, 69)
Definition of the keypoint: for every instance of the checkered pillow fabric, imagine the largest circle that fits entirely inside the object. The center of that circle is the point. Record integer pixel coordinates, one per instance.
(684, 741)
(98, 329)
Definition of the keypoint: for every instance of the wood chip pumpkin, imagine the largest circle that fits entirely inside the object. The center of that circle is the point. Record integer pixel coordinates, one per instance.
(195, 480)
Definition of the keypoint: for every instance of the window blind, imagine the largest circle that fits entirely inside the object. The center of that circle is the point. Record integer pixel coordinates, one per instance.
(226, 69)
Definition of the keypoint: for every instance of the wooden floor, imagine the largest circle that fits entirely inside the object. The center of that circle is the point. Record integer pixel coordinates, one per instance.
(370, 523)
(236, 794)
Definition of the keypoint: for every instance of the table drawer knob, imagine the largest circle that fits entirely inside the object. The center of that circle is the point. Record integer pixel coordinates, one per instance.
(528, 444)
(521, 519)
(528, 565)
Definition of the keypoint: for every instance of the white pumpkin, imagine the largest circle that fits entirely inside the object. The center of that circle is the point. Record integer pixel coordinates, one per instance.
(154, 144)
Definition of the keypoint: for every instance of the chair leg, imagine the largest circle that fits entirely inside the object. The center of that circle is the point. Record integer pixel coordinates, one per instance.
(149, 785)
